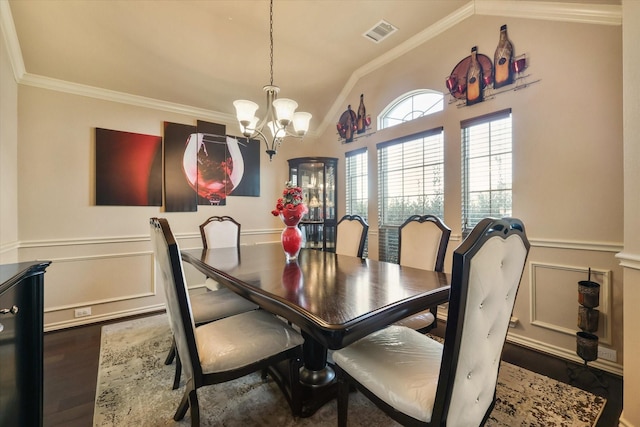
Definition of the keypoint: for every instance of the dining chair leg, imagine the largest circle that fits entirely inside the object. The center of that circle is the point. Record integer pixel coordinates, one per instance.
(343, 398)
(194, 410)
(176, 376)
(183, 406)
(172, 353)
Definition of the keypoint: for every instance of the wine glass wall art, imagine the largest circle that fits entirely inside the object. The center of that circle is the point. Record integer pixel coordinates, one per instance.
(202, 166)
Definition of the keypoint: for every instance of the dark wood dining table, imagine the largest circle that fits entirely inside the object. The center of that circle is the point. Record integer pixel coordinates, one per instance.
(334, 299)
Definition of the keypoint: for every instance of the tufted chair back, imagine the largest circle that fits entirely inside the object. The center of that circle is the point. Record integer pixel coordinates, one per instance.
(351, 235)
(220, 232)
(487, 268)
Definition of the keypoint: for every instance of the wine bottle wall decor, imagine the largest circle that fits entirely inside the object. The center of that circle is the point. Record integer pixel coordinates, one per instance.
(476, 77)
(502, 60)
(351, 123)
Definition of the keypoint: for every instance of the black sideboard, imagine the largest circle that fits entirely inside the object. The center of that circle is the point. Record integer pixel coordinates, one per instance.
(21, 343)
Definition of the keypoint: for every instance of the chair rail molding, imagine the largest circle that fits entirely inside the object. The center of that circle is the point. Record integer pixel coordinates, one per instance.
(629, 260)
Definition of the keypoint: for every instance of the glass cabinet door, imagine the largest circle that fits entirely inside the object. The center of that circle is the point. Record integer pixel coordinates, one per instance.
(317, 178)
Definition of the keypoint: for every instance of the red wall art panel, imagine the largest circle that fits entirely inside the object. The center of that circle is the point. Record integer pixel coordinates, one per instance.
(128, 168)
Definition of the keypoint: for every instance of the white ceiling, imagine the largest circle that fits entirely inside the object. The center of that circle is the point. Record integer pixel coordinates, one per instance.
(205, 54)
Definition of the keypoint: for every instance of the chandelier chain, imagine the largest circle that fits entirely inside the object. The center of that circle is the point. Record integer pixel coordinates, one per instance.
(271, 39)
(280, 119)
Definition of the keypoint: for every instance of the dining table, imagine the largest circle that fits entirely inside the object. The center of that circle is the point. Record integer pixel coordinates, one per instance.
(333, 299)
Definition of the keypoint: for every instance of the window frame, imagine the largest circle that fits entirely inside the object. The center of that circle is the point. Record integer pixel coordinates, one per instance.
(349, 210)
(495, 157)
(383, 117)
(388, 228)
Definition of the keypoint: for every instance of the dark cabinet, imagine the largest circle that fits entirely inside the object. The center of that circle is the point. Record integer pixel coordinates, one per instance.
(317, 178)
(21, 343)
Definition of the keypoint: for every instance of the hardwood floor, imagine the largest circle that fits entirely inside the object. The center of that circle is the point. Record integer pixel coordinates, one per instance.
(71, 367)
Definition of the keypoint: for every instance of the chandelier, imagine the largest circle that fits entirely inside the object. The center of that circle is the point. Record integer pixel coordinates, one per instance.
(281, 118)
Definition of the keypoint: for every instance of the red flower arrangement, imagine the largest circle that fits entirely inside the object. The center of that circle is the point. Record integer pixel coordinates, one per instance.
(290, 206)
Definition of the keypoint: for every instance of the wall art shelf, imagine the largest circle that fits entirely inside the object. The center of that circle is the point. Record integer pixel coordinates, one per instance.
(489, 93)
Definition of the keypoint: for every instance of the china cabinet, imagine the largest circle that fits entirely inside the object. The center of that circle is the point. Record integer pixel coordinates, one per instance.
(317, 178)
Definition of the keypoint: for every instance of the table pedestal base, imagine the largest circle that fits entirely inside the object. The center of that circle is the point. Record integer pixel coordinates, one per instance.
(319, 378)
(318, 384)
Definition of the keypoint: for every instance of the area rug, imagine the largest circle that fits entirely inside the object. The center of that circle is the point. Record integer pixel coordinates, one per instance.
(134, 389)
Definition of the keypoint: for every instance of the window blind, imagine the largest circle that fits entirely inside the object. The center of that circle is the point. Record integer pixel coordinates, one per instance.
(357, 183)
(410, 182)
(486, 168)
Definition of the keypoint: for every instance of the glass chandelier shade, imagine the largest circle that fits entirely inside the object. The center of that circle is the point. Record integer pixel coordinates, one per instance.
(281, 117)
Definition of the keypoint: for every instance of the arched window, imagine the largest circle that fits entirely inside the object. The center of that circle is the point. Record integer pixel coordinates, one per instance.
(410, 106)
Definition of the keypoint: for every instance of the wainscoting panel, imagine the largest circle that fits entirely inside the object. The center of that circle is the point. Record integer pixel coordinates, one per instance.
(93, 280)
(559, 283)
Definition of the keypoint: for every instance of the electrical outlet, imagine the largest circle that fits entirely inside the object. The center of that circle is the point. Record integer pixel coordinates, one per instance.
(513, 322)
(82, 312)
(607, 354)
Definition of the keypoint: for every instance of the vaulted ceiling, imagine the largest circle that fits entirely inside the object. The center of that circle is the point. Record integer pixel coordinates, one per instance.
(205, 54)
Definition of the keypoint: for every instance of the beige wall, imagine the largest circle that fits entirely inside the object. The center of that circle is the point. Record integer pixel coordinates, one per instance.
(630, 258)
(101, 255)
(8, 160)
(568, 179)
(568, 175)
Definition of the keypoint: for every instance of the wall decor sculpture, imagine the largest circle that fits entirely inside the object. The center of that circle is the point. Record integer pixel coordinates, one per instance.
(352, 123)
(476, 78)
(457, 81)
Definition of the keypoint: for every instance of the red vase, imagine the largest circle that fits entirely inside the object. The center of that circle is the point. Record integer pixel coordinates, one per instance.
(292, 236)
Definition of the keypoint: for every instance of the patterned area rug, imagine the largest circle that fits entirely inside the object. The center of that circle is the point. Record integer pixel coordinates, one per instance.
(134, 389)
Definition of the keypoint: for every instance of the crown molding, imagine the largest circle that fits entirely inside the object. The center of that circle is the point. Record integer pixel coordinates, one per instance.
(565, 12)
(596, 14)
(122, 97)
(11, 40)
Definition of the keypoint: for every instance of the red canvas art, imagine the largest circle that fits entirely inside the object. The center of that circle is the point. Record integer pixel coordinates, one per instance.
(128, 168)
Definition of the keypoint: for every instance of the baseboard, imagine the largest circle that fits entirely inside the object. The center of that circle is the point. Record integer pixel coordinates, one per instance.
(604, 365)
(624, 423)
(103, 317)
(513, 338)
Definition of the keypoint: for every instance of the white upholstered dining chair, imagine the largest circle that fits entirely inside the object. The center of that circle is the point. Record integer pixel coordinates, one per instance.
(351, 235)
(422, 243)
(418, 381)
(226, 349)
(219, 302)
(219, 232)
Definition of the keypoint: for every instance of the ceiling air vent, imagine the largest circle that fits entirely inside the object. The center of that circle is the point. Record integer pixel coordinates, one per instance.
(380, 31)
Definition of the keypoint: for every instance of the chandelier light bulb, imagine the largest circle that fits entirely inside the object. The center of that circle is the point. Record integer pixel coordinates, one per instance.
(245, 111)
(301, 121)
(249, 129)
(284, 110)
(277, 132)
